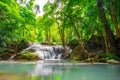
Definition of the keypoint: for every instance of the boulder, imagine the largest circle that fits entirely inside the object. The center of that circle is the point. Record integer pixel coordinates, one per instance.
(78, 54)
(26, 55)
(113, 61)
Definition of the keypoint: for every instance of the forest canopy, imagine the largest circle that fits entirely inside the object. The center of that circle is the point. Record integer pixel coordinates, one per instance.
(68, 22)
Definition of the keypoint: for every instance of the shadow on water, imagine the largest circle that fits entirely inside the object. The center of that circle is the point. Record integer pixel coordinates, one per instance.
(58, 70)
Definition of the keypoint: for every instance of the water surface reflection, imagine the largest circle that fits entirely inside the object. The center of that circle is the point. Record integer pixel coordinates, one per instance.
(58, 70)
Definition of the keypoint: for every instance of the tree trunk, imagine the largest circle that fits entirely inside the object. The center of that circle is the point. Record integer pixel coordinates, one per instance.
(79, 40)
(114, 19)
(62, 36)
(110, 39)
(47, 37)
(78, 36)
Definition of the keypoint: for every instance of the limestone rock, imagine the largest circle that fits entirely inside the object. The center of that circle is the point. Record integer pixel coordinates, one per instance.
(113, 61)
(78, 54)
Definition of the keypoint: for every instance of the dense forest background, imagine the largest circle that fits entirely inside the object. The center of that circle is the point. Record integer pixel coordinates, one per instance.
(87, 26)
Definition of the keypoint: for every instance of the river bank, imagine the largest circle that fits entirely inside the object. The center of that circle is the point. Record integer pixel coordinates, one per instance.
(59, 62)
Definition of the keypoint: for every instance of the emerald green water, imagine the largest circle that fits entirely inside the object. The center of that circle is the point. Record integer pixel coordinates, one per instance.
(58, 71)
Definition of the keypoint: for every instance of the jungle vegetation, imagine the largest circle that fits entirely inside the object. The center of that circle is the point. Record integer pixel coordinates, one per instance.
(89, 25)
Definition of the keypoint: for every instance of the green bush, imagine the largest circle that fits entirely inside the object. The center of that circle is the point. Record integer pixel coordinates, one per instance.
(103, 57)
(112, 56)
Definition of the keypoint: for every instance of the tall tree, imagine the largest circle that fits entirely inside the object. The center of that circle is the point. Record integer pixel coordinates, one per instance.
(110, 39)
(113, 17)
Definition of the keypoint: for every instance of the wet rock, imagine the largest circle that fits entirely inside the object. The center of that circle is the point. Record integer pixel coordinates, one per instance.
(49, 51)
(26, 55)
(113, 61)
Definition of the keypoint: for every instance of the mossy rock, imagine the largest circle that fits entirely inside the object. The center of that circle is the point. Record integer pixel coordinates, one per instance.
(27, 55)
(78, 54)
(113, 61)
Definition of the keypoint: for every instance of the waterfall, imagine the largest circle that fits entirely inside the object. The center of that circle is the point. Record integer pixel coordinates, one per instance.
(48, 51)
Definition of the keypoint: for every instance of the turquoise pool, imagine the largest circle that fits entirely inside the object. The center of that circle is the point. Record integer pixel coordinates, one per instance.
(58, 71)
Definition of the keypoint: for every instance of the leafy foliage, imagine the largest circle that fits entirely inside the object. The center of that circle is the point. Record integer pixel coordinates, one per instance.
(63, 21)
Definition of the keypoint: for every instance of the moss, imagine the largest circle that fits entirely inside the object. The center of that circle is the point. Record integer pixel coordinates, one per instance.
(27, 55)
(78, 54)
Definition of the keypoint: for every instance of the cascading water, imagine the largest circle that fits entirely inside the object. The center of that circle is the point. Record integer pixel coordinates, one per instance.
(48, 51)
